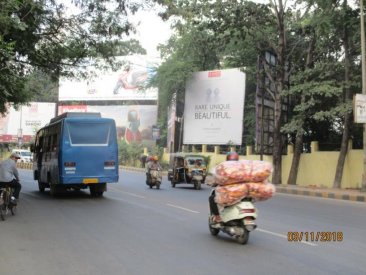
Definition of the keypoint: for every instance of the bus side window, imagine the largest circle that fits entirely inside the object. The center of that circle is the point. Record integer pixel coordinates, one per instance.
(54, 142)
(39, 145)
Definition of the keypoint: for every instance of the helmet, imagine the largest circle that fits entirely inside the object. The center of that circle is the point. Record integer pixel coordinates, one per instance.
(232, 156)
(15, 155)
(154, 158)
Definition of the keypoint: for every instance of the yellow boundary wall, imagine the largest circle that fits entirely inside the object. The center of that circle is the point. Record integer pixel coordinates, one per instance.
(316, 168)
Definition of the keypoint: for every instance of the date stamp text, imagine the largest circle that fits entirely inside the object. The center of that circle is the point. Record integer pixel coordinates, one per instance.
(315, 236)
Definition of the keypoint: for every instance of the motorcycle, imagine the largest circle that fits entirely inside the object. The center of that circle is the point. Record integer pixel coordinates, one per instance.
(238, 220)
(154, 178)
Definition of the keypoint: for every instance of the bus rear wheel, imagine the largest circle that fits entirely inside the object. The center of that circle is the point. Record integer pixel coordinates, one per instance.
(97, 190)
(53, 189)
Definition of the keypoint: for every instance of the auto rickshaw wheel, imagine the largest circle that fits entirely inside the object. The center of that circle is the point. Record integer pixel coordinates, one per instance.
(197, 185)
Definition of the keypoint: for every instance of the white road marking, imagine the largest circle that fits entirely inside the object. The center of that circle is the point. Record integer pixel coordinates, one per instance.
(128, 193)
(283, 236)
(182, 208)
(134, 195)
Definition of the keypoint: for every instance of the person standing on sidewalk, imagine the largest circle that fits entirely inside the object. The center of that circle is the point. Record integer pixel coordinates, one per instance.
(9, 175)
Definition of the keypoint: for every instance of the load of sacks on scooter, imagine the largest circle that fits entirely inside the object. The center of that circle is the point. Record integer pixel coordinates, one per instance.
(236, 180)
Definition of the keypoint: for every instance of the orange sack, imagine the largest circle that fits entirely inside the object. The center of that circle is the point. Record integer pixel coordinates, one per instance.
(230, 194)
(230, 172)
(261, 191)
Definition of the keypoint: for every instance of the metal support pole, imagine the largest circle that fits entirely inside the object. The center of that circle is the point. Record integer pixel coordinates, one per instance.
(363, 57)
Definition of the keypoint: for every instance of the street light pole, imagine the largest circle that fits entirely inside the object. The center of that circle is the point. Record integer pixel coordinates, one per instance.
(363, 58)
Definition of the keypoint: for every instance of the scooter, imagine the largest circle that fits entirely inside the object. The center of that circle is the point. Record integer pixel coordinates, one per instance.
(154, 178)
(238, 220)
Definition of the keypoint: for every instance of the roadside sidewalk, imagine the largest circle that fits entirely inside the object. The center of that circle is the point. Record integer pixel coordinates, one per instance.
(331, 193)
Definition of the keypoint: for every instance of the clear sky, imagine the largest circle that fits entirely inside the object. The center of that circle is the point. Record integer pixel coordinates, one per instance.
(151, 31)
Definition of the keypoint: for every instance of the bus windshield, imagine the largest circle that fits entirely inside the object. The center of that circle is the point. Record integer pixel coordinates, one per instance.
(88, 134)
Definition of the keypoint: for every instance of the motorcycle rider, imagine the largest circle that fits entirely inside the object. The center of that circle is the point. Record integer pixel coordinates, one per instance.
(9, 175)
(230, 156)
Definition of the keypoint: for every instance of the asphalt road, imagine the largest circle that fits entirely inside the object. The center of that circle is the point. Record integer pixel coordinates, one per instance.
(137, 230)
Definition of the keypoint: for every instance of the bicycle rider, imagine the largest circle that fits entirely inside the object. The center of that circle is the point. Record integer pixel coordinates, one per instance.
(9, 175)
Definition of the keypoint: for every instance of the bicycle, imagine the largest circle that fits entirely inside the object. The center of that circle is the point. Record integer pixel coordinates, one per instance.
(6, 204)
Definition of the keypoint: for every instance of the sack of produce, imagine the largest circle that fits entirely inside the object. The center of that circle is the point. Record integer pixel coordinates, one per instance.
(230, 194)
(231, 172)
(261, 191)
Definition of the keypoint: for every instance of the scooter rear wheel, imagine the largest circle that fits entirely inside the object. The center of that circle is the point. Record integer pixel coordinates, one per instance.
(243, 239)
(213, 231)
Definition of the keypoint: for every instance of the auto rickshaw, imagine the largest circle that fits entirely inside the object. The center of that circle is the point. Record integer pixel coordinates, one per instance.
(189, 169)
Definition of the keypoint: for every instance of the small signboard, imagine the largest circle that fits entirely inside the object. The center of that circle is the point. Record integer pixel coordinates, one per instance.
(359, 108)
(155, 133)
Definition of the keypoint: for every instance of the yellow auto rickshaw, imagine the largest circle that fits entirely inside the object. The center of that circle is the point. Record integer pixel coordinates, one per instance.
(187, 169)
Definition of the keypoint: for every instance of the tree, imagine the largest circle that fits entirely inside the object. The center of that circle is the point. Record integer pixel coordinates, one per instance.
(45, 36)
(318, 86)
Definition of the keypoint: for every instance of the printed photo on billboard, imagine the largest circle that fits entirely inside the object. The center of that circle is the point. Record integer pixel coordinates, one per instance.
(134, 122)
(214, 106)
(129, 82)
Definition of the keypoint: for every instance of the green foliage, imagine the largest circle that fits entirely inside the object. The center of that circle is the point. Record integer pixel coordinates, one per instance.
(129, 154)
(45, 36)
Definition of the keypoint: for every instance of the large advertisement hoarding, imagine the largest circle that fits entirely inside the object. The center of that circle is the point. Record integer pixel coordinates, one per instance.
(129, 82)
(134, 122)
(214, 105)
(22, 124)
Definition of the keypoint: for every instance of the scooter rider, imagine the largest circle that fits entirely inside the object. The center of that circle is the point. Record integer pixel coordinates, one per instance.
(231, 156)
(152, 164)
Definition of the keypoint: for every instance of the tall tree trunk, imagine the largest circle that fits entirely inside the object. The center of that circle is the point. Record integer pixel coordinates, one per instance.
(277, 142)
(292, 178)
(347, 117)
(280, 80)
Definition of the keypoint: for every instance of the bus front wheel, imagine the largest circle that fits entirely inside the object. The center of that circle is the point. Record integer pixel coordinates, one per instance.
(41, 186)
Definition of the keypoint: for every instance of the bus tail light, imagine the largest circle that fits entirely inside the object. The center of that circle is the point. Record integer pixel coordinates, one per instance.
(70, 164)
(110, 164)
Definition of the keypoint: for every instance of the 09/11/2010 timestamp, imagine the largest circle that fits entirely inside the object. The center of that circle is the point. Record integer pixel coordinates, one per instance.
(313, 236)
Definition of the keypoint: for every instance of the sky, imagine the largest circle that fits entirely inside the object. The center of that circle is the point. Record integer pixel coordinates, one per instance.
(151, 31)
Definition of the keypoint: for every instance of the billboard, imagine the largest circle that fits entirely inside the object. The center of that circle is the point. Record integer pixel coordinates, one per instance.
(214, 106)
(359, 108)
(22, 124)
(129, 82)
(135, 123)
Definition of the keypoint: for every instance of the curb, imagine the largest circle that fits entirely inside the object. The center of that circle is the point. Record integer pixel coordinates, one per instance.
(322, 194)
(137, 169)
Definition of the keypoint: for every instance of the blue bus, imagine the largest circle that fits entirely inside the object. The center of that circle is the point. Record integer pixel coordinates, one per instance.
(76, 151)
